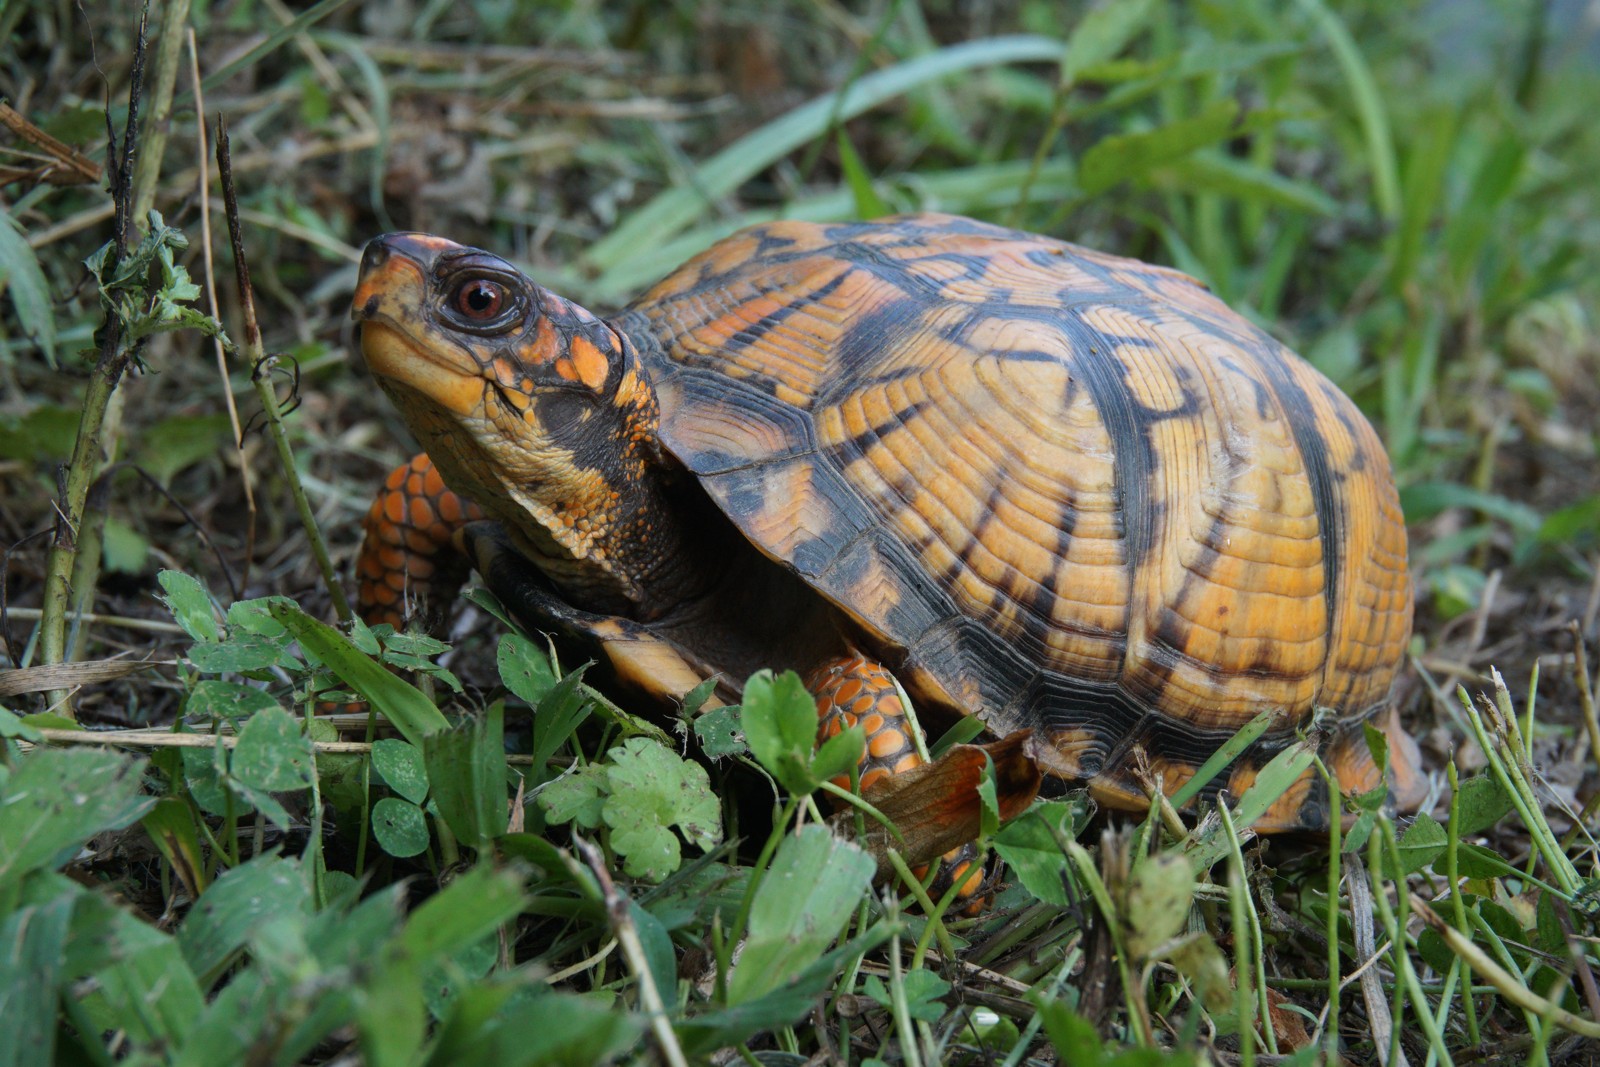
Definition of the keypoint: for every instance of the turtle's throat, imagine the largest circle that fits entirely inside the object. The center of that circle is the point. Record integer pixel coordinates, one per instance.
(623, 549)
(594, 504)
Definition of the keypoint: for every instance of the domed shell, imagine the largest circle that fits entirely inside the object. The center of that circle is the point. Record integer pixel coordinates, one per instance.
(1055, 488)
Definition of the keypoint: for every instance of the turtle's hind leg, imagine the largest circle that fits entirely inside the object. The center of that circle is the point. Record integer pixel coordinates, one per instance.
(853, 690)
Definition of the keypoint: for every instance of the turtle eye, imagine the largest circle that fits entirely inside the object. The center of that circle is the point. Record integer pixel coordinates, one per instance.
(479, 299)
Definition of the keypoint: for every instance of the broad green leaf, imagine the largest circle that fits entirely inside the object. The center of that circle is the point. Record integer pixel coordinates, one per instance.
(180, 441)
(32, 945)
(12, 726)
(272, 754)
(144, 985)
(123, 549)
(1160, 890)
(577, 796)
(559, 1029)
(412, 713)
(443, 983)
(1423, 842)
(218, 700)
(695, 699)
(42, 435)
(240, 900)
(254, 616)
(922, 990)
(720, 731)
(780, 726)
(392, 1018)
(1074, 1038)
(703, 1033)
(1031, 848)
(524, 668)
(56, 799)
(1484, 803)
(658, 950)
(400, 828)
(839, 755)
(654, 789)
(204, 772)
(467, 772)
(464, 912)
(190, 604)
(808, 894)
(248, 798)
(239, 653)
(561, 710)
(401, 765)
(21, 276)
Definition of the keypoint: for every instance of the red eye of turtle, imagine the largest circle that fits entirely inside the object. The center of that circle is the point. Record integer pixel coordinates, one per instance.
(480, 299)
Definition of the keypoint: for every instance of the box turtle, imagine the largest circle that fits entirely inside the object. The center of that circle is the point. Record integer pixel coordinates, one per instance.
(1051, 488)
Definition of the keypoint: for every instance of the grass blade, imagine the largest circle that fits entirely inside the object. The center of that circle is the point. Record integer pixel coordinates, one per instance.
(1369, 107)
(725, 171)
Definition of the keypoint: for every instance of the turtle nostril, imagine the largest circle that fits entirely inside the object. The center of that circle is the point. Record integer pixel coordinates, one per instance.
(375, 255)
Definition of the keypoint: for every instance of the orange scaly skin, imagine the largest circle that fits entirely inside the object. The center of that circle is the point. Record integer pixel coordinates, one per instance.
(854, 690)
(407, 557)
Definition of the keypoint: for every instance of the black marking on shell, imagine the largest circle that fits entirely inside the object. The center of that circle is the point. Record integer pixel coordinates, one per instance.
(857, 445)
(864, 342)
(753, 333)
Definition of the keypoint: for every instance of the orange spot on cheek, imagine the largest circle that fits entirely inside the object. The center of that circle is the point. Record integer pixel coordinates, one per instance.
(590, 365)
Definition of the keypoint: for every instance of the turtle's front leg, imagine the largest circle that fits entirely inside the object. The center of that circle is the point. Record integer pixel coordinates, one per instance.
(854, 690)
(408, 557)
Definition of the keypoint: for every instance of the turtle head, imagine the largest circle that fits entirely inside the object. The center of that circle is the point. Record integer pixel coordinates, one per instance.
(528, 404)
